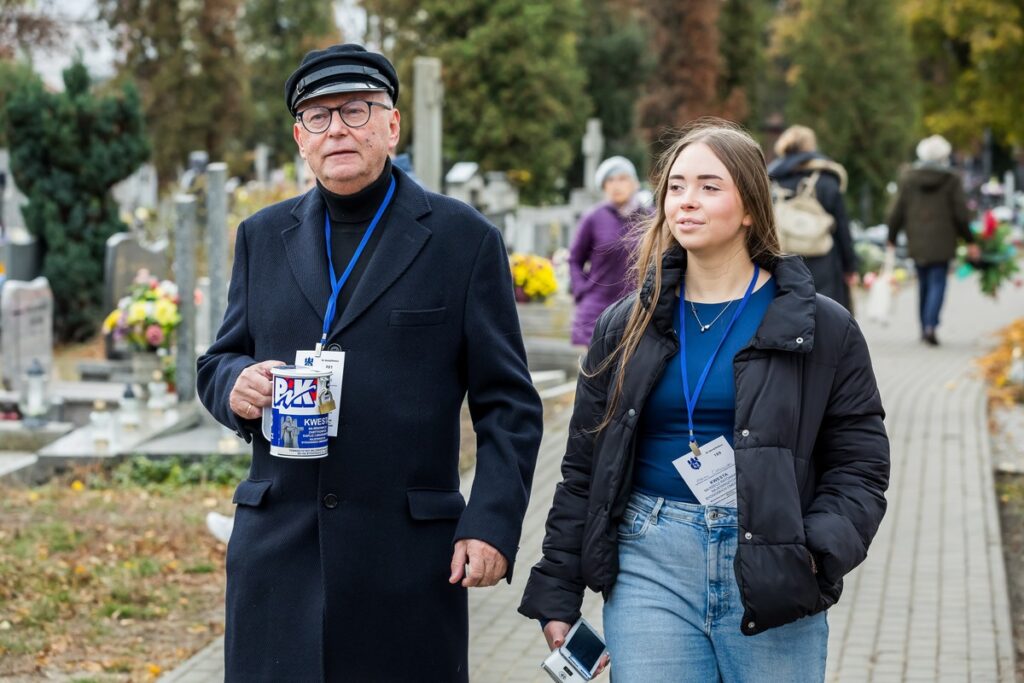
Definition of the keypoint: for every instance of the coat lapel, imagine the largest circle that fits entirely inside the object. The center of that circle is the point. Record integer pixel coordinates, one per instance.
(306, 248)
(401, 242)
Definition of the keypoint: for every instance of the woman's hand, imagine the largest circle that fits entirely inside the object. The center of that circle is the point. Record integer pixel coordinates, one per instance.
(555, 633)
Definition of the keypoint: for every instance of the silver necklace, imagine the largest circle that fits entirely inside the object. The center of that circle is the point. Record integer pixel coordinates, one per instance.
(703, 327)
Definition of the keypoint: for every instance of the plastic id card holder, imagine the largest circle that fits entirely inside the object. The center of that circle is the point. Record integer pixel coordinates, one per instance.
(578, 658)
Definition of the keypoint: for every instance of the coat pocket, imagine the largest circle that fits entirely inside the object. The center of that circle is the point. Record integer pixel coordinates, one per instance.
(418, 318)
(251, 492)
(427, 504)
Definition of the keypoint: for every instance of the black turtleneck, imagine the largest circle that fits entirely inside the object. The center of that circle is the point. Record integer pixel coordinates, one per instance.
(350, 217)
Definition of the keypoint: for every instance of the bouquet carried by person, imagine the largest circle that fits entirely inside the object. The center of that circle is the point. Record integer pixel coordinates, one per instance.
(996, 261)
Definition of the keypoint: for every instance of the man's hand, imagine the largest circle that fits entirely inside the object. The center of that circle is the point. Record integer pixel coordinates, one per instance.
(973, 252)
(555, 633)
(486, 565)
(852, 279)
(252, 390)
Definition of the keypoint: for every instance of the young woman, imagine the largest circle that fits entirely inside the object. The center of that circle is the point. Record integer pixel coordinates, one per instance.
(711, 571)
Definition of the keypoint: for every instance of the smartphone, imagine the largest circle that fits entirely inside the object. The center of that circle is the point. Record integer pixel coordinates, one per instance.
(578, 658)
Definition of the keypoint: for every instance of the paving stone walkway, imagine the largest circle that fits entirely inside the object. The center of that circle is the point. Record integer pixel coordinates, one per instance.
(929, 604)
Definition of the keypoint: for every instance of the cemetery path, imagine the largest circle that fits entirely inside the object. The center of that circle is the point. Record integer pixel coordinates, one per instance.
(929, 604)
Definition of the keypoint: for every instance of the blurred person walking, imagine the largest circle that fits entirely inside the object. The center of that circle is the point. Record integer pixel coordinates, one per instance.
(931, 208)
(727, 460)
(600, 251)
(798, 160)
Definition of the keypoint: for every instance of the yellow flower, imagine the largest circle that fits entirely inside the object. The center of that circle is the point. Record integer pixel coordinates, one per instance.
(165, 313)
(111, 321)
(77, 485)
(136, 313)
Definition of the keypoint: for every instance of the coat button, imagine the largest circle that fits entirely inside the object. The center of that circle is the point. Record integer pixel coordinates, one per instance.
(748, 535)
(750, 624)
(632, 413)
(745, 432)
(330, 501)
(799, 340)
(334, 347)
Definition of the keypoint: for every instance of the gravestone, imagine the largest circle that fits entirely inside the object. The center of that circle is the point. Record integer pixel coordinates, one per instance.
(464, 182)
(185, 277)
(428, 98)
(21, 257)
(137, 190)
(204, 323)
(126, 255)
(11, 199)
(261, 162)
(26, 329)
(216, 245)
(593, 148)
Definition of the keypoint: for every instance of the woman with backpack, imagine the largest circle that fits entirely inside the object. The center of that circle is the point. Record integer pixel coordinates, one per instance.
(726, 462)
(799, 162)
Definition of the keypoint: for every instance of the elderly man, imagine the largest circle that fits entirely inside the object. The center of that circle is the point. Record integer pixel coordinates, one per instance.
(355, 566)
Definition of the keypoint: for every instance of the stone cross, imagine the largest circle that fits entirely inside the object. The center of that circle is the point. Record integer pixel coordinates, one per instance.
(185, 277)
(593, 148)
(217, 241)
(26, 328)
(428, 99)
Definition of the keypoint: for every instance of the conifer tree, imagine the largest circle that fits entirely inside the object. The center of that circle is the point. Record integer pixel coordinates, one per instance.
(514, 87)
(67, 150)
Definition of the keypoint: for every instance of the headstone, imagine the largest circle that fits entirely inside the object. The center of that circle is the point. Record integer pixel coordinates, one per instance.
(216, 243)
(26, 329)
(137, 190)
(428, 98)
(1010, 192)
(541, 230)
(185, 277)
(11, 199)
(204, 321)
(261, 160)
(464, 182)
(126, 255)
(21, 257)
(593, 148)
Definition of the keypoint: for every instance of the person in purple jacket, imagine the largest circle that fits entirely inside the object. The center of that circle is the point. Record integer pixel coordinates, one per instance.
(599, 256)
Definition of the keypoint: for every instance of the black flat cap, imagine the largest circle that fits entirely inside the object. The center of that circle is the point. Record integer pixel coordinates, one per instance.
(340, 68)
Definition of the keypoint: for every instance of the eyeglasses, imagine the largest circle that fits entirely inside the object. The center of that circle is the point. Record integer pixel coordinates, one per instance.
(354, 114)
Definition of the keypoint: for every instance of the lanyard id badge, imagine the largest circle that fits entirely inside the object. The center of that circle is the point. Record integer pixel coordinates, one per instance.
(335, 362)
(712, 474)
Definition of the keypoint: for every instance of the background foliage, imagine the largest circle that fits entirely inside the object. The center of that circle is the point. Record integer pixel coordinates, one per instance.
(67, 150)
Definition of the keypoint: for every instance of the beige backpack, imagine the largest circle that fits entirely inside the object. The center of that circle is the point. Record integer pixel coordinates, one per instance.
(805, 227)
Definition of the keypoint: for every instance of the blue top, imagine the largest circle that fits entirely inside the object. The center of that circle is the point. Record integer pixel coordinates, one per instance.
(663, 432)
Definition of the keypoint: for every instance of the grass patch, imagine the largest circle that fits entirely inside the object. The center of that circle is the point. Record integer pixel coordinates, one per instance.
(105, 574)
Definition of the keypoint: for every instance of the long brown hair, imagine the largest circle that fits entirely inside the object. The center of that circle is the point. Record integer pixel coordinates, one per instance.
(744, 159)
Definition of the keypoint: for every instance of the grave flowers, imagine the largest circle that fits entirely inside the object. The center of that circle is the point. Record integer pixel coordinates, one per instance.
(147, 317)
(998, 260)
(533, 277)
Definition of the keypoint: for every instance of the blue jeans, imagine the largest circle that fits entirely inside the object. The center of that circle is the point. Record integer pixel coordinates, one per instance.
(675, 611)
(931, 286)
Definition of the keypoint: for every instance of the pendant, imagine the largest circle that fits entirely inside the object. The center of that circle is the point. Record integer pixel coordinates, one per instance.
(694, 448)
(704, 328)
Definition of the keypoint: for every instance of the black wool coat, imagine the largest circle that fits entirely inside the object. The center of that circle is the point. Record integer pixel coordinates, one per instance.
(338, 568)
(812, 456)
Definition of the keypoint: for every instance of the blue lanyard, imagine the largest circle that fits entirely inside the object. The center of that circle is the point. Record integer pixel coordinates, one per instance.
(691, 401)
(336, 282)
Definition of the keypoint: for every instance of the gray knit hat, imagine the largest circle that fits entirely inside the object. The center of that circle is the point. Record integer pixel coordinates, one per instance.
(613, 166)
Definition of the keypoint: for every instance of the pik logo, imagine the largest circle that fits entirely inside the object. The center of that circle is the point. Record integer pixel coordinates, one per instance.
(309, 362)
(694, 463)
(290, 392)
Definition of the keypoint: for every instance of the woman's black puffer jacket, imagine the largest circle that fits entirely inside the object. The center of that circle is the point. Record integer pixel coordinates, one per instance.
(812, 456)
